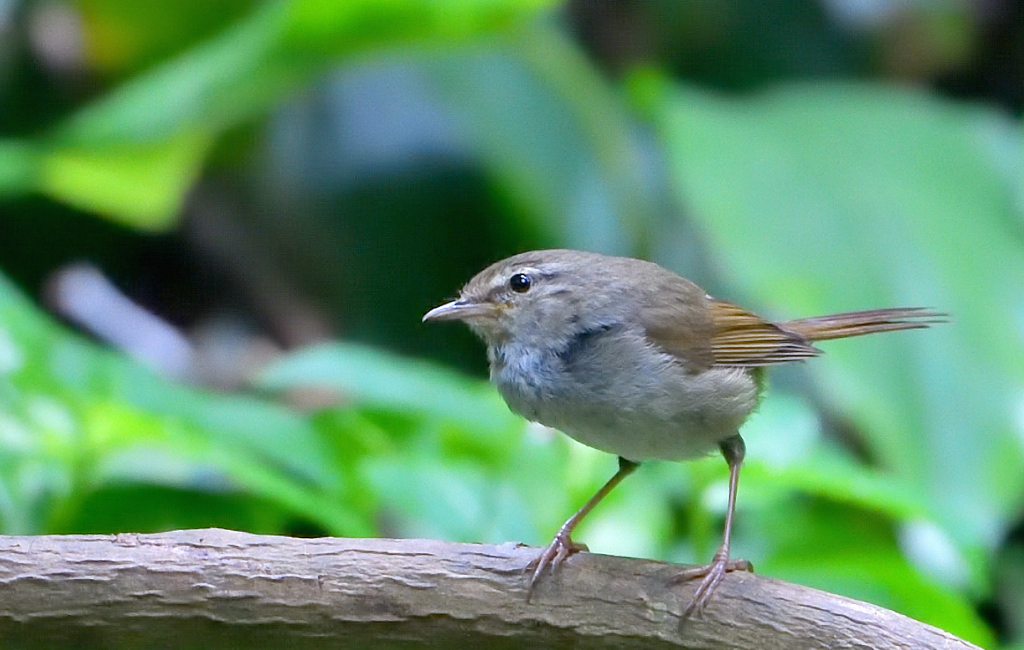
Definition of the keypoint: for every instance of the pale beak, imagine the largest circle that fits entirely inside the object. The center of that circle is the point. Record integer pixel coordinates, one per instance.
(462, 309)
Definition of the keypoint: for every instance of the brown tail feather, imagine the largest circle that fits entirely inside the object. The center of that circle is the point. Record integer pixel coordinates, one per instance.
(855, 323)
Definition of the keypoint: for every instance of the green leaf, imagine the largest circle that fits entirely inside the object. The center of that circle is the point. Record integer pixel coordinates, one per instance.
(373, 377)
(143, 186)
(341, 27)
(132, 154)
(76, 419)
(556, 136)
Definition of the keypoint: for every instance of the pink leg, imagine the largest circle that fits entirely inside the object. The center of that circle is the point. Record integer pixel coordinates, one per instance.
(733, 449)
(562, 545)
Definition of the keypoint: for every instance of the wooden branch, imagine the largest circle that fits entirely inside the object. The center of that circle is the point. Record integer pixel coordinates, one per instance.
(217, 588)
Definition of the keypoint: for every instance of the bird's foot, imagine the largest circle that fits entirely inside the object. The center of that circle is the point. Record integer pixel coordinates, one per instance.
(712, 575)
(560, 548)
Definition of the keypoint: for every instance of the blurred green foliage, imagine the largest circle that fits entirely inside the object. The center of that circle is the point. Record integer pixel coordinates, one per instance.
(891, 470)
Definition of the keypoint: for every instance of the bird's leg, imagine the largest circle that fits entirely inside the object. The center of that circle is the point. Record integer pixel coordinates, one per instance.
(733, 449)
(562, 545)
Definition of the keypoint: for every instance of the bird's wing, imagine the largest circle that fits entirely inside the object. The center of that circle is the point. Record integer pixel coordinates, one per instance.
(741, 338)
(676, 320)
(702, 332)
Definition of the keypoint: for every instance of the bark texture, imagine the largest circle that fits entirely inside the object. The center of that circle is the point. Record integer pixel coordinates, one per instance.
(217, 588)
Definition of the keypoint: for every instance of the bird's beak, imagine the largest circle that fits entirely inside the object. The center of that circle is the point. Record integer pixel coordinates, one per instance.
(462, 309)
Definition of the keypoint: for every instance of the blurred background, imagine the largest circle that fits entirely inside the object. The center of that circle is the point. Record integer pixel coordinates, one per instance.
(221, 222)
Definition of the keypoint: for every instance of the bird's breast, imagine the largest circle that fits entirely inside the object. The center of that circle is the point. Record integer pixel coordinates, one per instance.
(610, 390)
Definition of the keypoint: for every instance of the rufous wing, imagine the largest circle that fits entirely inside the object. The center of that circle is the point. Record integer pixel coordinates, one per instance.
(744, 339)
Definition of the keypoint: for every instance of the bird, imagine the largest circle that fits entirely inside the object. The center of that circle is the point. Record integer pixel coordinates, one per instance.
(632, 359)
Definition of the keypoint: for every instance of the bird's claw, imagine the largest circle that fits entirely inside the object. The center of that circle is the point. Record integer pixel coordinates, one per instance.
(556, 552)
(712, 575)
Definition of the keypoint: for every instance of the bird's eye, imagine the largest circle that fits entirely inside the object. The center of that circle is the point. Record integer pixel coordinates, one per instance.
(520, 283)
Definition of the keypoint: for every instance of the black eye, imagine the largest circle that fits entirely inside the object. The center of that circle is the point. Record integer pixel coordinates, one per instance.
(520, 283)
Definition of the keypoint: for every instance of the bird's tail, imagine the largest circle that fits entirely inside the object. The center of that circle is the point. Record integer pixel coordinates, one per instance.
(856, 323)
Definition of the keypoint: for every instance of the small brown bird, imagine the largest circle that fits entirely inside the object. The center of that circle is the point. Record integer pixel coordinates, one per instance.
(632, 359)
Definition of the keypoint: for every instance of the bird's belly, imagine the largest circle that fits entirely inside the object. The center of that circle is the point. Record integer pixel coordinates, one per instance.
(644, 439)
(643, 435)
(684, 417)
